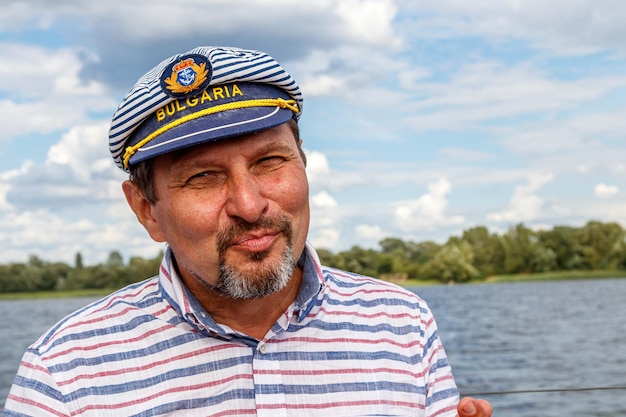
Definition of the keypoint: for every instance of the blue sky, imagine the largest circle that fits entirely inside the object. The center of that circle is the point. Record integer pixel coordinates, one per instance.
(421, 119)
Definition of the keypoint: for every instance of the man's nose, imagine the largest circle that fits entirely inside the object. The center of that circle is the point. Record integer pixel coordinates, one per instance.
(245, 199)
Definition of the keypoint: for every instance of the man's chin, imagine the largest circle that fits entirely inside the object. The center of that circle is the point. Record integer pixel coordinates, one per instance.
(255, 274)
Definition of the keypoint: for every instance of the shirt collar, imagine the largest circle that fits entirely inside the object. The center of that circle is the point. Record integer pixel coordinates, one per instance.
(186, 304)
(312, 281)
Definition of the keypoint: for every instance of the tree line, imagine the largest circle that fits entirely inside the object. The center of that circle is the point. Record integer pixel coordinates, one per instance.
(39, 275)
(476, 254)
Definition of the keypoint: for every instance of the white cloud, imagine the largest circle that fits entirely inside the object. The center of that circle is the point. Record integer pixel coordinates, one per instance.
(584, 133)
(327, 238)
(317, 85)
(559, 26)
(56, 208)
(43, 117)
(53, 237)
(525, 204)
(489, 90)
(49, 72)
(462, 154)
(17, 14)
(4, 188)
(317, 167)
(288, 30)
(78, 171)
(368, 231)
(353, 73)
(359, 21)
(84, 149)
(48, 94)
(370, 21)
(323, 200)
(428, 211)
(324, 230)
(603, 190)
(369, 235)
(56, 238)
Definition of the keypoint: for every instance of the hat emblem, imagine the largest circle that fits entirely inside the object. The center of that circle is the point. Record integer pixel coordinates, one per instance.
(188, 74)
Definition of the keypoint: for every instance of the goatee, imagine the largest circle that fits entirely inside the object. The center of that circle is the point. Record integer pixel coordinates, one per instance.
(262, 281)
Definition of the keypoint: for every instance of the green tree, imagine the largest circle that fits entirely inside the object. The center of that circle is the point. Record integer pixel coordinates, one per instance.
(566, 244)
(519, 243)
(326, 256)
(78, 261)
(357, 260)
(115, 259)
(53, 275)
(140, 268)
(604, 245)
(488, 249)
(419, 252)
(542, 259)
(12, 278)
(398, 258)
(453, 263)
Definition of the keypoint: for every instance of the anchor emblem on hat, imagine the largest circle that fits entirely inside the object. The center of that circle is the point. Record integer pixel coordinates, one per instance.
(187, 75)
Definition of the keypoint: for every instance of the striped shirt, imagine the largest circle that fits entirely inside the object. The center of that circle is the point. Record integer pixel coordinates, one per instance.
(347, 346)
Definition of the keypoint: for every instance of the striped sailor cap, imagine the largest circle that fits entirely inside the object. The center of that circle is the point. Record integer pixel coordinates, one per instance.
(205, 94)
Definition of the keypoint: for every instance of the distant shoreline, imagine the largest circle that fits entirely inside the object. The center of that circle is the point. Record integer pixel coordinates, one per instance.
(34, 295)
(548, 276)
(544, 276)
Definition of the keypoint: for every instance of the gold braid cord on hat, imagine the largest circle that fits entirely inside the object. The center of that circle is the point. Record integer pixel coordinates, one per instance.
(269, 102)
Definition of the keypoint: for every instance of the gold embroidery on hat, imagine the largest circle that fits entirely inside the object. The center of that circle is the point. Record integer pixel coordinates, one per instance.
(172, 81)
(269, 102)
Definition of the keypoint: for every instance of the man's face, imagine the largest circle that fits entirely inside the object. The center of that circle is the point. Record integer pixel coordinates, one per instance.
(235, 212)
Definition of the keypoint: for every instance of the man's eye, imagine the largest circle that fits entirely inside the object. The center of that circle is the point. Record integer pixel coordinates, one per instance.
(204, 176)
(199, 175)
(271, 161)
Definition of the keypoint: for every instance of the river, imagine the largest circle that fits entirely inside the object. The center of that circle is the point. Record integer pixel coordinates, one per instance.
(565, 341)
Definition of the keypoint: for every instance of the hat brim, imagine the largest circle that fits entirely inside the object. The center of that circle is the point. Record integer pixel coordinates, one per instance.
(211, 128)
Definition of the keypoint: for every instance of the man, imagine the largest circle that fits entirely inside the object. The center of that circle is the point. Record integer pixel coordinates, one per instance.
(242, 319)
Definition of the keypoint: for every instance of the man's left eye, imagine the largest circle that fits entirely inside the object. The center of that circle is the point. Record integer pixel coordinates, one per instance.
(271, 161)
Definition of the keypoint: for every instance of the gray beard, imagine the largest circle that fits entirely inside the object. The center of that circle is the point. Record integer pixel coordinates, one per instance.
(233, 283)
(238, 285)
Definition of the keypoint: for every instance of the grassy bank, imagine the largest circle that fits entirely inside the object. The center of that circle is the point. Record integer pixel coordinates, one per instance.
(53, 294)
(557, 276)
(548, 276)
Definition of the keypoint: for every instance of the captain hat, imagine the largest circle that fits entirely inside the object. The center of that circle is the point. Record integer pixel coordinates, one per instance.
(206, 94)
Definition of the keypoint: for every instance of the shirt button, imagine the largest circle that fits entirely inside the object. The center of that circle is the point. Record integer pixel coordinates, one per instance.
(263, 349)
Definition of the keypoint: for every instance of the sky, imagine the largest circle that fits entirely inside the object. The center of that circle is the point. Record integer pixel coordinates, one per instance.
(421, 119)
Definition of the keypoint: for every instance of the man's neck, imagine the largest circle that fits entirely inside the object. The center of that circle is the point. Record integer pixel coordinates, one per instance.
(254, 317)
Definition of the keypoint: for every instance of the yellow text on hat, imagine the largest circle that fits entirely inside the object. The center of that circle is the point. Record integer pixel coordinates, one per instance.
(267, 102)
(210, 95)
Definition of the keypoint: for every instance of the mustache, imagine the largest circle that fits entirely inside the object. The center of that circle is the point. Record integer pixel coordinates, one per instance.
(224, 237)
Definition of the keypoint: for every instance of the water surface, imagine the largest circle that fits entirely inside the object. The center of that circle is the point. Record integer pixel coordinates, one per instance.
(499, 337)
(534, 336)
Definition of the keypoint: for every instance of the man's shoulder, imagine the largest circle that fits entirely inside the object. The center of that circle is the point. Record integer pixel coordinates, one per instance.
(340, 279)
(112, 311)
(372, 301)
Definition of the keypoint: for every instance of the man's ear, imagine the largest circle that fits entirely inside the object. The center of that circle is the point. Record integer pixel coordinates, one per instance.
(302, 154)
(143, 209)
